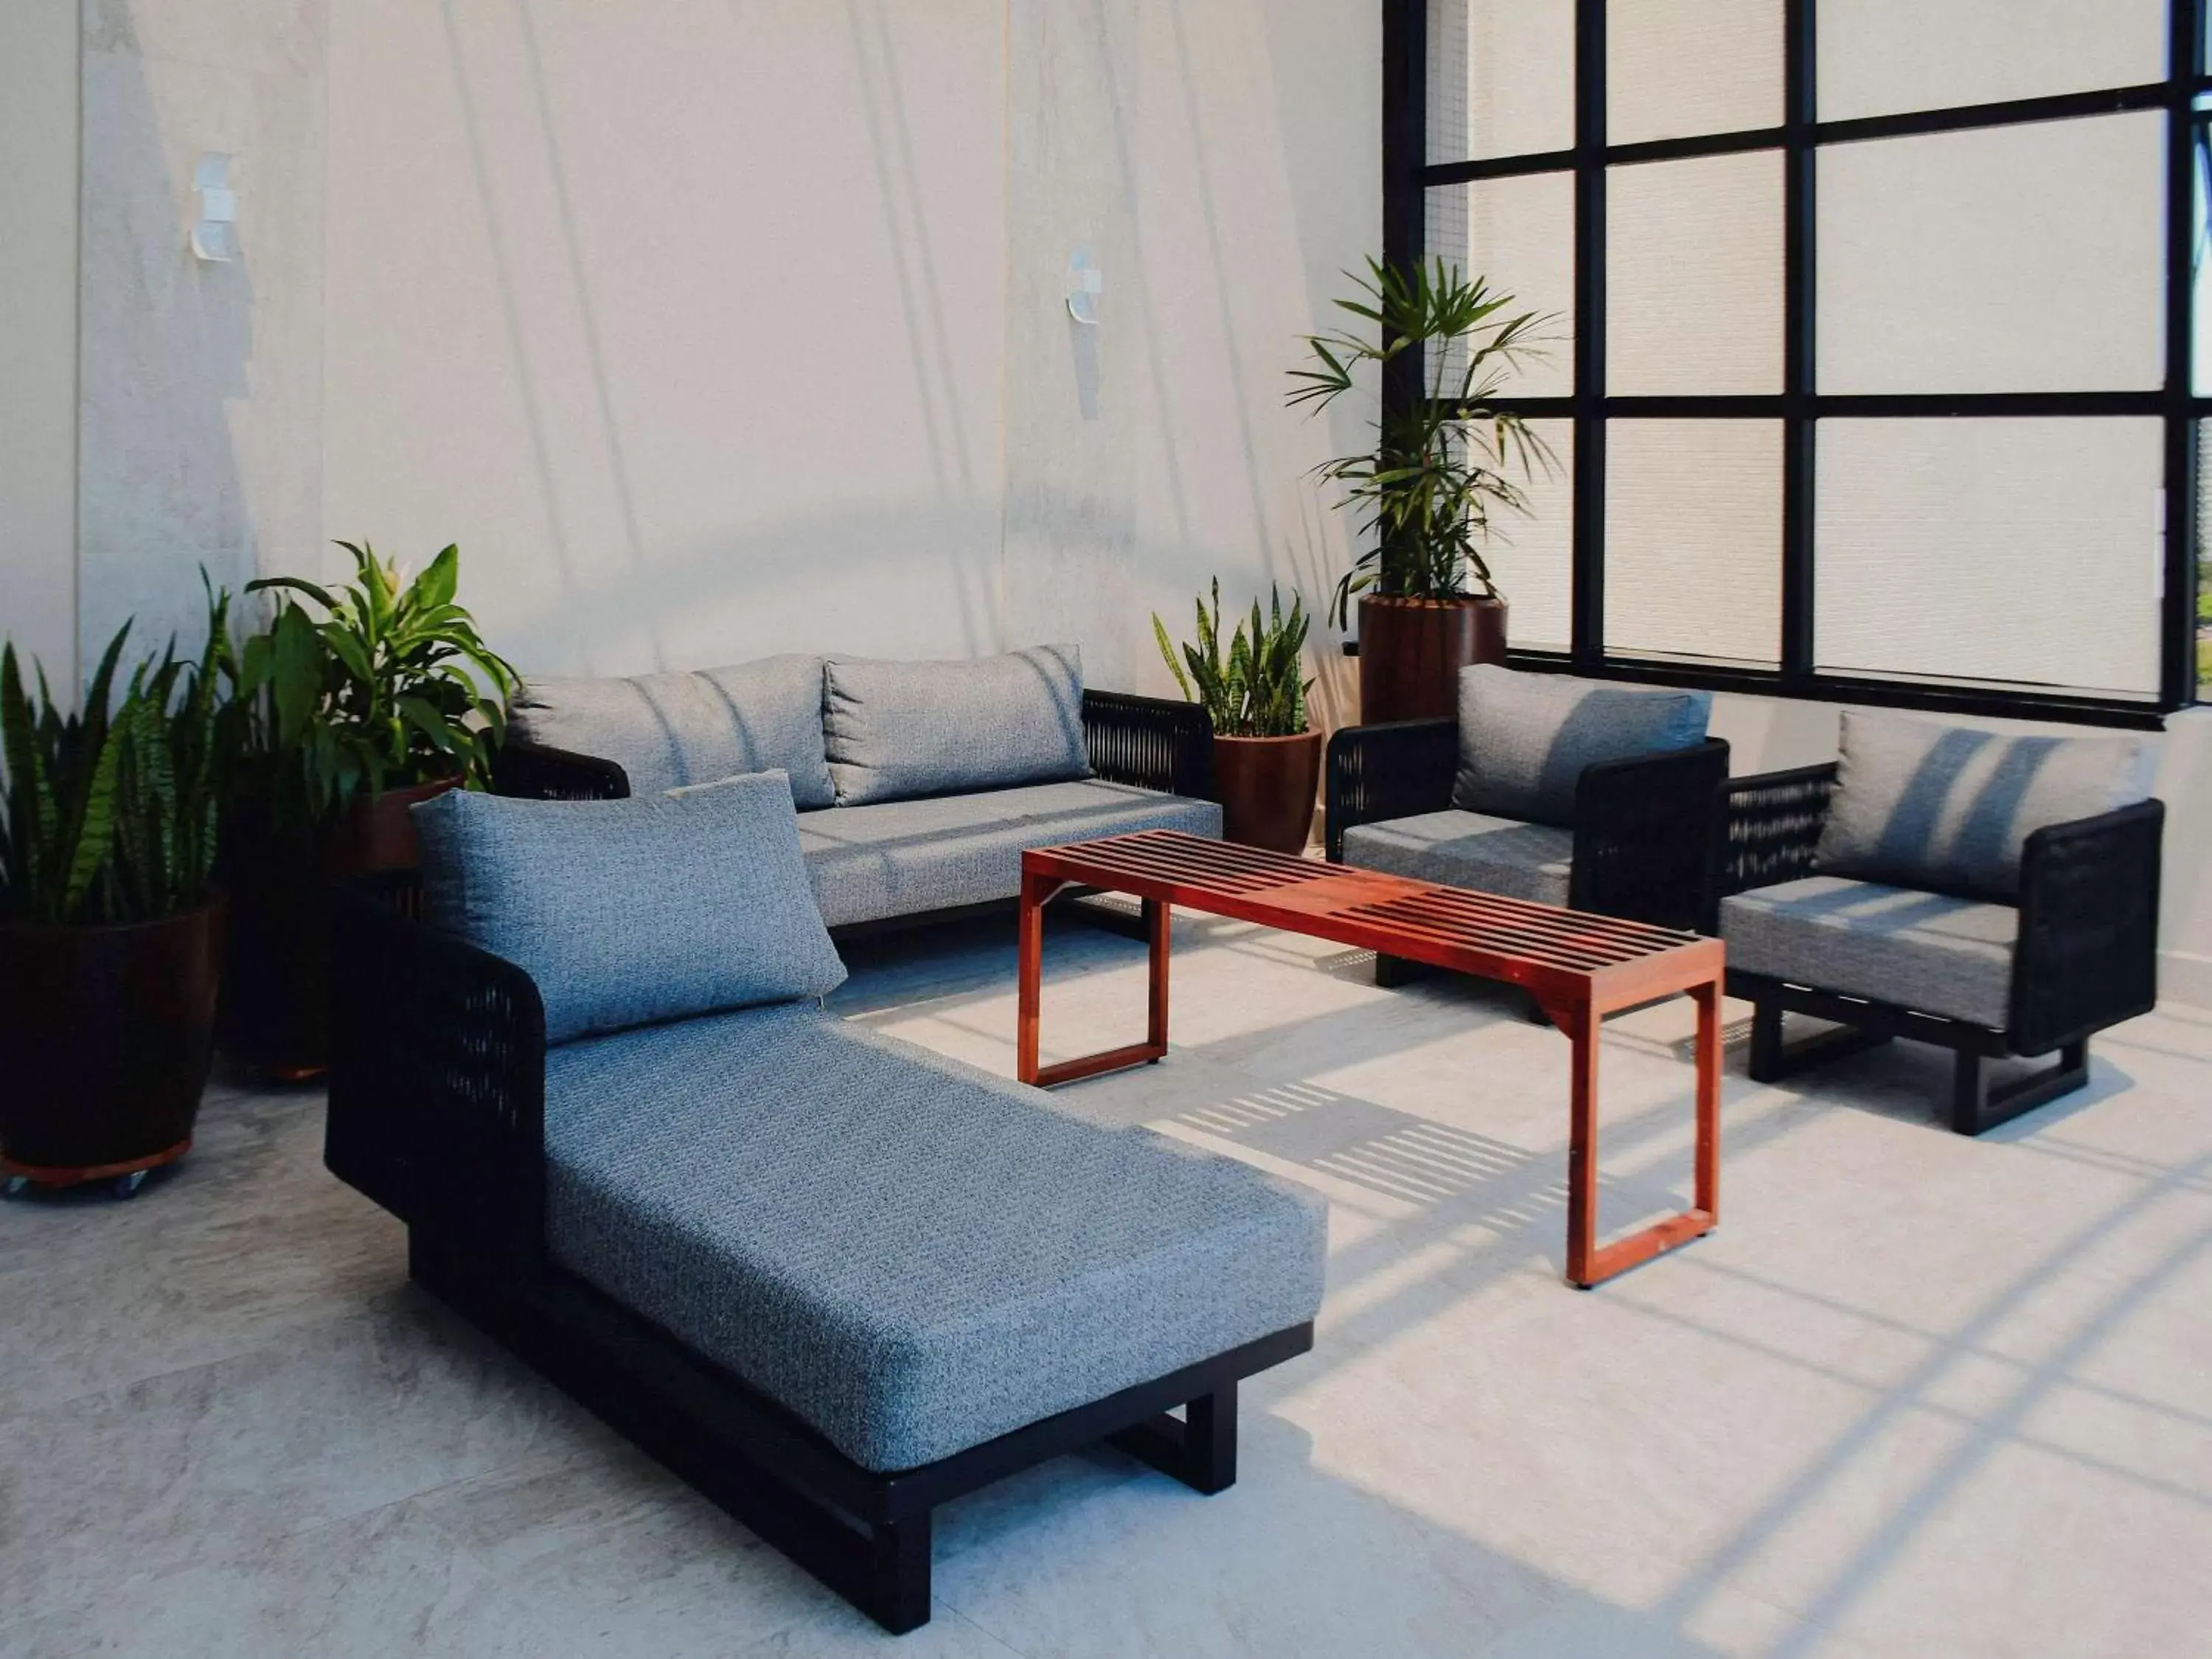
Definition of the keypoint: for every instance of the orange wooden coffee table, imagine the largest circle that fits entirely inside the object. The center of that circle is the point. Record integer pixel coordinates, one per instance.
(1579, 967)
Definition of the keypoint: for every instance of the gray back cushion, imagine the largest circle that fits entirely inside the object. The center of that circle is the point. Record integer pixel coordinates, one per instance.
(670, 730)
(1948, 808)
(898, 730)
(1525, 738)
(627, 912)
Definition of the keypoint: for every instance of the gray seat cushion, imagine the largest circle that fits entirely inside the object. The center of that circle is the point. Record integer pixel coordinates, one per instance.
(667, 730)
(1469, 849)
(1930, 804)
(898, 858)
(897, 731)
(625, 911)
(1926, 952)
(909, 1254)
(1525, 738)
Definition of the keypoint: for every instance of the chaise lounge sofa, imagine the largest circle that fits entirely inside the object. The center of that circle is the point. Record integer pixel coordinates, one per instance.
(919, 785)
(831, 1279)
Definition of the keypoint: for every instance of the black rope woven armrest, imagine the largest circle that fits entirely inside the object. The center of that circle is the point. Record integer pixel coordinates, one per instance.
(1773, 826)
(1150, 743)
(2088, 953)
(530, 771)
(1647, 837)
(1376, 773)
(437, 1083)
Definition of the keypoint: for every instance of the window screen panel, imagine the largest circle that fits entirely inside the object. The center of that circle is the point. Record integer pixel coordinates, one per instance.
(2020, 550)
(2016, 259)
(1694, 539)
(1501, 78)
(2203, 677)
(1694, 275)
(1532, 558)
(1882, 56)
(1519, 234)
(2200, 353)
(1678, 68)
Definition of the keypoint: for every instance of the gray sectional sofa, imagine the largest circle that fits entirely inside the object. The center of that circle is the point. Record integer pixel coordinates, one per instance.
(831, 1279)
(918, 785)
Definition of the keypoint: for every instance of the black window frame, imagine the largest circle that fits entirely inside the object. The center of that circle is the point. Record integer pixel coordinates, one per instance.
(1409, 176)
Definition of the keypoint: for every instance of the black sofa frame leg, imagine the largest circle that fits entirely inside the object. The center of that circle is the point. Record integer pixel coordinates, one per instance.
(1772, 1059)
(1976, 1105)
(1198, 1449)
(894, 1588)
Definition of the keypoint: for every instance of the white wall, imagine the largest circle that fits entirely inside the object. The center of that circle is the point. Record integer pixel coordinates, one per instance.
(685, 320)
(38, 336)
(1222, 160)
(714, 327)
(201, 384)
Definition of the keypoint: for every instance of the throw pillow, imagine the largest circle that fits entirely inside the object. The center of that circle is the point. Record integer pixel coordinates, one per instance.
(627, 911)
(1525, 738)
(669, 731)
(1949, 808)
(896, 730)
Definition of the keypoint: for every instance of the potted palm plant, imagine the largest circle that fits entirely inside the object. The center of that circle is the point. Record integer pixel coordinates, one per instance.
(1443, 464)
(111, 927)
(360, 702)
(1267, 762)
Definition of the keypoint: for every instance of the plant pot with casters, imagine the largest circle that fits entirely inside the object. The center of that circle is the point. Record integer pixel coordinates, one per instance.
(362, 702)
(276, 1013)
(1266, 762)
(111, 930)
(105, 1038)
(1443, 463)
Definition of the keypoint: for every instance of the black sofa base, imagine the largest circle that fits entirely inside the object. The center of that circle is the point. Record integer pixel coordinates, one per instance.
(1977, 1103)
(865, 1534)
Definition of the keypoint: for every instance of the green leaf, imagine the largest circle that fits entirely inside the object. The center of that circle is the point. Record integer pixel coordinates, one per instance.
(293, 585)
(435, 586)
(90, 836)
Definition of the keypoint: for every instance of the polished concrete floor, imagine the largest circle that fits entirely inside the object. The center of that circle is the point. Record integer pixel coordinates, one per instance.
(1919, 1396)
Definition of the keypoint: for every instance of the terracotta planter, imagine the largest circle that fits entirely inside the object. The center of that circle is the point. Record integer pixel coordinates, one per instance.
(1411, 652)
(378, 834)
(276, 1012)
(1267, 787)
(106, 1035)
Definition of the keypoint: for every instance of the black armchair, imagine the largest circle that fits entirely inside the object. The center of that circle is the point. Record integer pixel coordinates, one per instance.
(1645, 842)
(2078, 952)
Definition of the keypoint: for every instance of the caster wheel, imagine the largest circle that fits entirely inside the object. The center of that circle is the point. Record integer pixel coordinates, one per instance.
(16, 1186)
(127, 1186)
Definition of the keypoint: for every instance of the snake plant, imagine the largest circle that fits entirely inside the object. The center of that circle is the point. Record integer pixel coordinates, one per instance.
(1254, 689)
(108, 814)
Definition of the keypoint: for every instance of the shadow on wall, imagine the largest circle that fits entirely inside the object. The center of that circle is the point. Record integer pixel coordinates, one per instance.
(611, 594)
(636, 527)
(166, 350)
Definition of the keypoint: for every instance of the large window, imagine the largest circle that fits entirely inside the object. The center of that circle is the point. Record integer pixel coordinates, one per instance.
(1873, 375)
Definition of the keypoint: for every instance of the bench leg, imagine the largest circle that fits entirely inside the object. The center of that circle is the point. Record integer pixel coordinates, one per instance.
(1198, 1449)
(1976, 1106)
(1391, 972)
(895, 1591)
